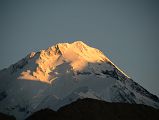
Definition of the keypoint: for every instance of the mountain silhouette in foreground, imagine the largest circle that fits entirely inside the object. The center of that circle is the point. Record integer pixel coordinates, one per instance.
(6, 117)
(91, 109)
(63, 73)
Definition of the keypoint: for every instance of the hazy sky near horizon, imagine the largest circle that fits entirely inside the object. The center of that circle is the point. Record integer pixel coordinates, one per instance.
(127, 31)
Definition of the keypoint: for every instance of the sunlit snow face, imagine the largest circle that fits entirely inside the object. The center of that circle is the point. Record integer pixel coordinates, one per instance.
(77, 55)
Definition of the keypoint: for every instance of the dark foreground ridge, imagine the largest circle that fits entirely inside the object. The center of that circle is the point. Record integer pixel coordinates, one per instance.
(91, 109)
(6, 117)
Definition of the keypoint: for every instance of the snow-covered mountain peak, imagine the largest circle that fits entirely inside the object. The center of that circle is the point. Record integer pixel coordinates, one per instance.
(79, 48)
(39, 65)
(63, 73)
(77, 54)
(79, 44)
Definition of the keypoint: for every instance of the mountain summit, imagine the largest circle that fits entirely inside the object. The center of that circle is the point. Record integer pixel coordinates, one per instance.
(62, 74)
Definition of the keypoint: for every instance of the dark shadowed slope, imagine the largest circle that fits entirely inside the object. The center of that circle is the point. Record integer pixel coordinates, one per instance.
(91, 109)
(6, 117)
